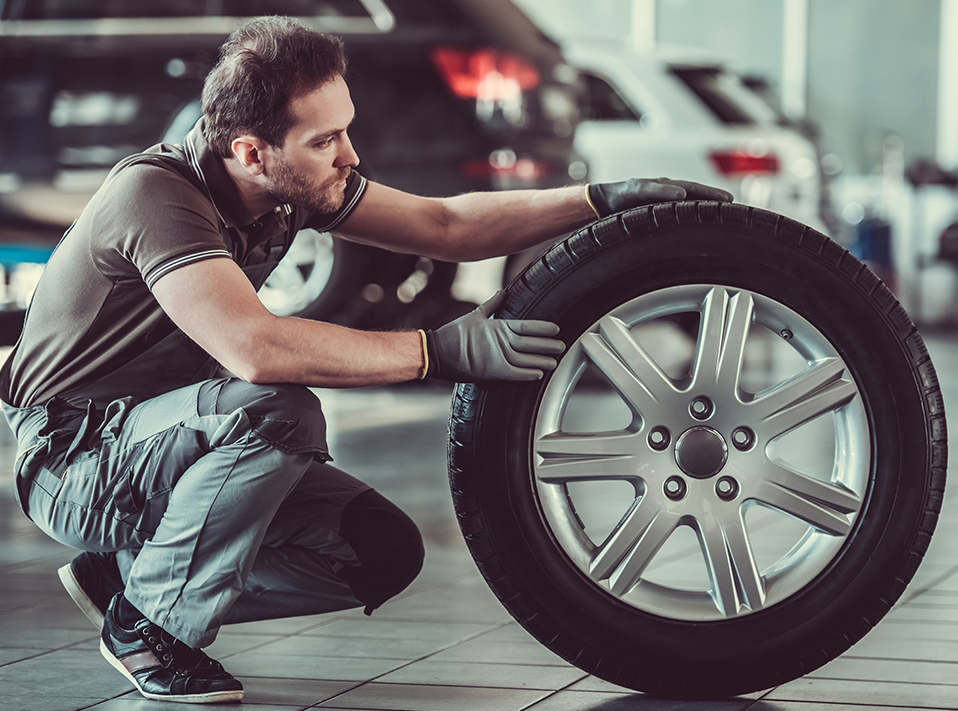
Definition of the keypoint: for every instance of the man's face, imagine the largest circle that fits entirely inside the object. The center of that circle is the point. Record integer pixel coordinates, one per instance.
(310, 169)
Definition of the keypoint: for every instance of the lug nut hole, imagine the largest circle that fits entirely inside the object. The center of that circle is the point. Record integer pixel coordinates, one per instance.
(676, 488)
(726, 488)
(701, 408)
(743, 438)
(660, 438)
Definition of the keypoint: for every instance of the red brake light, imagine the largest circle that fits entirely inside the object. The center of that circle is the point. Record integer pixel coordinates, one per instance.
(490, 74)
(737, 163)
(526, 169)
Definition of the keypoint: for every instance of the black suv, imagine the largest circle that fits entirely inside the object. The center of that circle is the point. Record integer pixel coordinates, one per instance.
(450, 95)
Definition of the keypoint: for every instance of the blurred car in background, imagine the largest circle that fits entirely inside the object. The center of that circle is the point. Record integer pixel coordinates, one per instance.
(450, 95)
(679, 112)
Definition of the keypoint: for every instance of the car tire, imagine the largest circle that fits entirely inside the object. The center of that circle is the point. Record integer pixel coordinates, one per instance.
(698, 517)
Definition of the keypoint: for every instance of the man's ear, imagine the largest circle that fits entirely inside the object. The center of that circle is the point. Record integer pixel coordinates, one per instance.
(248, 151)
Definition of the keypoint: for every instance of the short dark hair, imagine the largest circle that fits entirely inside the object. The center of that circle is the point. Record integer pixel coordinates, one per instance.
(262, 67)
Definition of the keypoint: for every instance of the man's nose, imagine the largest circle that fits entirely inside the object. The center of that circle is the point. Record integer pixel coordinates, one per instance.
(347, 154)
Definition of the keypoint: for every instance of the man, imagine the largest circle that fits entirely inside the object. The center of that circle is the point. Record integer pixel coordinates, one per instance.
(200, 499)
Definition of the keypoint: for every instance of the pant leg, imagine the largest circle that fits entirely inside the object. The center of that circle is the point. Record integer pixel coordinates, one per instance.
(191, 480)
(334, 544)
(214, 498)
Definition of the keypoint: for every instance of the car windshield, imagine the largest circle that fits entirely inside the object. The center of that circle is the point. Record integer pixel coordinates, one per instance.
(724, 94)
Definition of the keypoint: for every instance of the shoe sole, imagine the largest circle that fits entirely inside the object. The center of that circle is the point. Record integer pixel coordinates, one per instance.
(82, 600)
(214, 697)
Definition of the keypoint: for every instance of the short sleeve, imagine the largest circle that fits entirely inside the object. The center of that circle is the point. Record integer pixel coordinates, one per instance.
(153, 222)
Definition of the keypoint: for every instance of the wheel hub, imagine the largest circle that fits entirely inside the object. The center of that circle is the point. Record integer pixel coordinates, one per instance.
(701, 452)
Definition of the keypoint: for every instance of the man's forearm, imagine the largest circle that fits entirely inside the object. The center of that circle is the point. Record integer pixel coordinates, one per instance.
(482, 225)
(325, 355)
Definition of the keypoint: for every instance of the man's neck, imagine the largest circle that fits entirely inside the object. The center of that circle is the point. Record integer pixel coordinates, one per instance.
(257, 201)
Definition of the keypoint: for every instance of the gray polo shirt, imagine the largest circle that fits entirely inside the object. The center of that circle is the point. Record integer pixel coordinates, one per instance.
(93, 310)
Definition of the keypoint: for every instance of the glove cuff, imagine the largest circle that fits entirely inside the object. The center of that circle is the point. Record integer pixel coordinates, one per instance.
(588, 199)
(425, 354)
(598, 200)
(430, 358)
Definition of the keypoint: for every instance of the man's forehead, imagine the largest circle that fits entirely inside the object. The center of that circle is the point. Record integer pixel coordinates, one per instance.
(323, 110)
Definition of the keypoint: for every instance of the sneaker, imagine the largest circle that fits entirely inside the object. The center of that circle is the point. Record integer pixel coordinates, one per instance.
(163, 668)
(92, 580)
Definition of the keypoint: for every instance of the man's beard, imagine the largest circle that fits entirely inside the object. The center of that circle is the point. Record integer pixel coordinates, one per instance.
(291, 188)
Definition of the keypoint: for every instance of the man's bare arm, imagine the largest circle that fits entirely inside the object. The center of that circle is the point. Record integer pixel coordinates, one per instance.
(466, 227)
(214, 304)
(489, 224)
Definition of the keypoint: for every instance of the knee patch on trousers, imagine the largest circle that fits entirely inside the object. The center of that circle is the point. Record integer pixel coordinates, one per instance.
(388, 545)
(289, 417)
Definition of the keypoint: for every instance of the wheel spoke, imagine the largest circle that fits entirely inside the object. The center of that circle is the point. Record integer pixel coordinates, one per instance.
(635, 540)
(629, 367)
(818, 503)
(733, 572)
(588, 457)
(721, 344)
(288, 276)
(811, 393)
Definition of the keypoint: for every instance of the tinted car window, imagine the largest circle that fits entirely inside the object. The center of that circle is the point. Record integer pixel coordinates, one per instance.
(725, 96)
(605, 104)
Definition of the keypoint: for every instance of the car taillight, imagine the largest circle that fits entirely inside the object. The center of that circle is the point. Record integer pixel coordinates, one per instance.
(485, 74)
(524, 169)
(738, 163)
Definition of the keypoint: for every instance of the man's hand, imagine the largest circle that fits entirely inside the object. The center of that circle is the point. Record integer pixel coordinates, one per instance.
(475, 347)
(609, 198)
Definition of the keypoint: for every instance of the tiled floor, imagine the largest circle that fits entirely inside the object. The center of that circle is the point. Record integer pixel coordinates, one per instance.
(446, 644)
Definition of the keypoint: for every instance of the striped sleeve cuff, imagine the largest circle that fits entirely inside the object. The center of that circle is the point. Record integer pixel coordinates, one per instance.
(165, 268)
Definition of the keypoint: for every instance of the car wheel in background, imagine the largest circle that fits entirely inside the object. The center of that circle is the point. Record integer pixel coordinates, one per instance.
(708, 514)
(316, 277)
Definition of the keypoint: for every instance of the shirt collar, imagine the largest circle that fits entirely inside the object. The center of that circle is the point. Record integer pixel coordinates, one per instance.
(220, 186)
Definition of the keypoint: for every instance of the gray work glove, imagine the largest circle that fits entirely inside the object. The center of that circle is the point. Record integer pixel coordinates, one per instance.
(609, 198)
(475, 347)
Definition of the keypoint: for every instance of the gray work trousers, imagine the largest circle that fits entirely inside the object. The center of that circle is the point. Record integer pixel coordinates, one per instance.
(217, 497)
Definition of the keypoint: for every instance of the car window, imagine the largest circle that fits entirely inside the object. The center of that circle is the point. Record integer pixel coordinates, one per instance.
(724, 94)
(604, 102)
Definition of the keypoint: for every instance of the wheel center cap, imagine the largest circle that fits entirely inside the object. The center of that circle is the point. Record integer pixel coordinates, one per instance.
(701, 452)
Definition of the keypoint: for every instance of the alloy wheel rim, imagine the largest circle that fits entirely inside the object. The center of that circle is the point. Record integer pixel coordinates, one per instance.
(729, 477)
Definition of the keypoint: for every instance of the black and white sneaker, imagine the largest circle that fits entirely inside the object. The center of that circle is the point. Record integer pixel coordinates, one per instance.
(92, 580)
(163, 668)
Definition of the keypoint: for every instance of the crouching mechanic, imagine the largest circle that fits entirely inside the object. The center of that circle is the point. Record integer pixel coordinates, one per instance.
(199, 499)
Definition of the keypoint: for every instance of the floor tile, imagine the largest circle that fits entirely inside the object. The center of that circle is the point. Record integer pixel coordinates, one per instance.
(63, 674)
(281, 692)
(451, 604)
(415, 697)
(481, 649)
(368, 647)
(851, 668)
(47, 702)
(255, 664)
(139, 703)
(843, 691)
(513, 676)
(374, 628)
(598, 701)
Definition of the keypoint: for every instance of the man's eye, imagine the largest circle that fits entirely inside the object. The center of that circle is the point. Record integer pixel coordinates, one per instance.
(326, 142)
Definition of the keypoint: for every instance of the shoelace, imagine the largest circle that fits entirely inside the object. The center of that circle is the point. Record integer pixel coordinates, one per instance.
(179, 655)
(161, 642)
